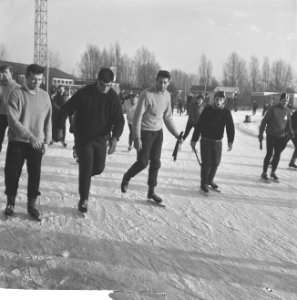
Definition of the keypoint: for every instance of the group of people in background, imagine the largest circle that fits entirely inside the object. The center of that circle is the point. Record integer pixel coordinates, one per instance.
(96, 114)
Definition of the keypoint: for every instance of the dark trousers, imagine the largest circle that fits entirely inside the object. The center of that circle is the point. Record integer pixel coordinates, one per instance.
(130, 134)
(17, 153)
(274, 146)
(294, 140)
(92, 156)
(189, 126)
(150, 153)
(211, 153)
(3, 126)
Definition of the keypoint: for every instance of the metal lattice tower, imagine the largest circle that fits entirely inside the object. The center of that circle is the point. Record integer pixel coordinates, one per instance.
(40, 33)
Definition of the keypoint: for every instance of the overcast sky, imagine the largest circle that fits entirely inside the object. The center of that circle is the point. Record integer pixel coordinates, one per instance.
(177, 31)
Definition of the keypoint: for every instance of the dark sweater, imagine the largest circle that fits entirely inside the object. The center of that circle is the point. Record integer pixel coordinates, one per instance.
(212, 123)
(96, 114)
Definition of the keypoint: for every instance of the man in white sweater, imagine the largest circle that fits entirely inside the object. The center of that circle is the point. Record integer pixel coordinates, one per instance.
(7, 85)
(153, 107)
(30, 131)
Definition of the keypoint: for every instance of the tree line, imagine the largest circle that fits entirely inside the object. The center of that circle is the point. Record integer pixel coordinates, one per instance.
(140, 71)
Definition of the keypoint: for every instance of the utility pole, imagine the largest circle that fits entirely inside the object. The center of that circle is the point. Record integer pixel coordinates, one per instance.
(40, 37)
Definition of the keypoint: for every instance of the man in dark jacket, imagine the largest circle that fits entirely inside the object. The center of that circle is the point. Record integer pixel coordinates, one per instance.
(58, 101)
(210, 126)
(277, 122)
(294, 140)
(98, 114)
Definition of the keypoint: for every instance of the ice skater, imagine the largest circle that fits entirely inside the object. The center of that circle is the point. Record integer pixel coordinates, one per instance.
(129, 107)
(154, 107)
(30, 131)
(7, 85)
(211, 126)
(98, 120)
(195, 109)
(294, 140)
(277, 122)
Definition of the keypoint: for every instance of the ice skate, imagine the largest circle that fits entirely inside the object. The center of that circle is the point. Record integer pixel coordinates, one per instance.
(274, 177)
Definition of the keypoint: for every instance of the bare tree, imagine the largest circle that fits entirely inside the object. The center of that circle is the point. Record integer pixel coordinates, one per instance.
(127, 75)
(3, 52)
(90, 63)
(265, 73)
(281, 75)
(204, 71)
(54, 59)
(254, 73)
(146, 67)
(235, 72)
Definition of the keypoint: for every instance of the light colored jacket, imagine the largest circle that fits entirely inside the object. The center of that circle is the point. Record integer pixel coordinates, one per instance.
(152, 109)
(29, 115)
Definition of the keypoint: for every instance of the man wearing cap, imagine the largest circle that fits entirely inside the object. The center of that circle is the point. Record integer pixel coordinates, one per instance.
(98, 115)
(211, 126)
(277, 122)
(194, 110)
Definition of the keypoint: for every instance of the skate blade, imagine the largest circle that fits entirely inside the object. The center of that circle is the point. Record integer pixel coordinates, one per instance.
(204, 193)
(155, 203)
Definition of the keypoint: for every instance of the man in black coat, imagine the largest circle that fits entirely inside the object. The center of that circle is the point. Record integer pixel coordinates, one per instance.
(98, 120)
(210, 126)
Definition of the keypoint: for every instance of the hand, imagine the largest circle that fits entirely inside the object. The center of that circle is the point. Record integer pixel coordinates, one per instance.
(36, 144)
(112, 145)
(71, 129)
(137, 144)
(193, 144)
(260, 137)
(44, 148)
(229, 146)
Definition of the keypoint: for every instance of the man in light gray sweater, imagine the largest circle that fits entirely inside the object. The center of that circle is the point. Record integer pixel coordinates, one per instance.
(7, 85)
(30, 131)
(153, 107)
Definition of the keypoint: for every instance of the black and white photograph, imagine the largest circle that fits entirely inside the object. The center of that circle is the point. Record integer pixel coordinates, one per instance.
(148, 149)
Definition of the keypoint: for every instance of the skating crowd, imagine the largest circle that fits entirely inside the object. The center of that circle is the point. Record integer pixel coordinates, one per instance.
(96, 114)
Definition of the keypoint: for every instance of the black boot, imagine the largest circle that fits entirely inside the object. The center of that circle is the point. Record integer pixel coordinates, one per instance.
(9, 210)
(32, 211)
(83, 205)
(125, 183)
(151, 195)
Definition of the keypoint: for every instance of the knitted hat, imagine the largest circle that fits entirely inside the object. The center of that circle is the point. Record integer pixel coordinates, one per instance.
(220, 94)
(284, 96)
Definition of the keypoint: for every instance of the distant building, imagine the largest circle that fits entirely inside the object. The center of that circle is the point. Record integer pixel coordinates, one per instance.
(56, 78)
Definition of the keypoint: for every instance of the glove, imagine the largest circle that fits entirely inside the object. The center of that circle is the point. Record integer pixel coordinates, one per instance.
(260, 137)
(137, 144)
(112, 145)
(193, 144)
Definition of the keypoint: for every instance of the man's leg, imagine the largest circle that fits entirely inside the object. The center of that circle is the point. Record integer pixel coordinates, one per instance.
(34, 159)
(3, 126)
(216, 155)
(269, 152)
(13, 168)
(294, 156)
(130, 136)
(155, 164)
(86, 162)
(99, 157)
(206, 159)
(279, 145)
(142, 159)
